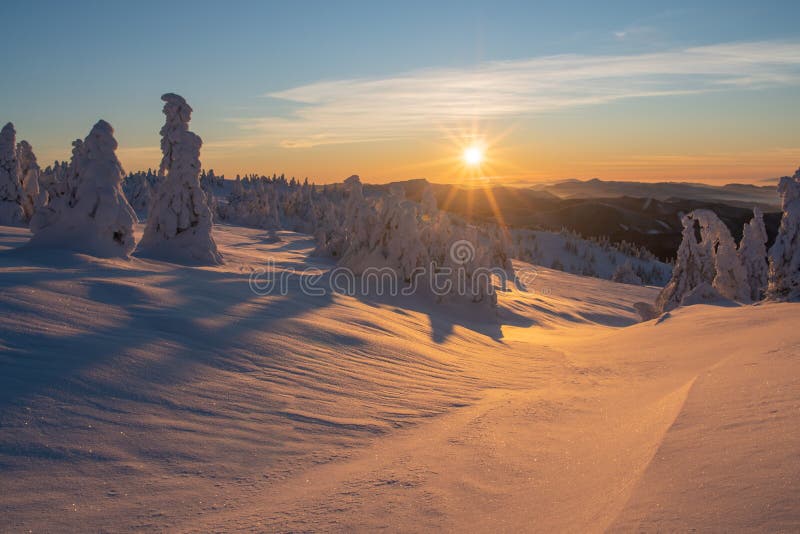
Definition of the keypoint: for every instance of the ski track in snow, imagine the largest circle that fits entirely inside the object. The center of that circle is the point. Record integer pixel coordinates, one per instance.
(145, 395)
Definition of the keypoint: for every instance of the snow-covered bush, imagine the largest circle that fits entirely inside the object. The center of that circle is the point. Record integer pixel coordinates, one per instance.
(399, 239)
(753, 255)
(360, 229)
(93, 216)
(212, 184)
(713, 261)
(210, 181)
(784, 256)
(383, 230)
(33, 197)
(624, 274)
(599, 257)
(256, 206)
(275, 203)
(500, 249)
(140, 188)
(329, 234)
(52, 179)
(11, 196)
(179, 222)
(429, 204)
(388, 231)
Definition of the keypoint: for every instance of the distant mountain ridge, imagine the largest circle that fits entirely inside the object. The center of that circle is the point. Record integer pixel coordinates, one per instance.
(648, 215)
(747, 195)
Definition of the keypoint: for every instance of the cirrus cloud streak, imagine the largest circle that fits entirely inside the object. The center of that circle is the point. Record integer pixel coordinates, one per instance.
(418, 102)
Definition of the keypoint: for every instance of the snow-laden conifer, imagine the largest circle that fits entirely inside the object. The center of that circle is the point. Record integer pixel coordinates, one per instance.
(179, 222)
(784, 256)
(753, 255)
(11, 195)
(93, 216)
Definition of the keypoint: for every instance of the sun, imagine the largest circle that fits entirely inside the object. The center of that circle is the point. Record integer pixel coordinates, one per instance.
(473, 155)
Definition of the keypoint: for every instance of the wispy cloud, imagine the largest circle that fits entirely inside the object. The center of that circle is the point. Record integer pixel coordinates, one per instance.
(638, 32)
(365, 109)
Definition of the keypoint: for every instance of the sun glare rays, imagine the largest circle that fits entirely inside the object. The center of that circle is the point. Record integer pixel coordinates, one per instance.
(473, 155)
(473, 158)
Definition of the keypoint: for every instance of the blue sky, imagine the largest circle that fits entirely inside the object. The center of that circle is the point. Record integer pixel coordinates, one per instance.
(249, 66)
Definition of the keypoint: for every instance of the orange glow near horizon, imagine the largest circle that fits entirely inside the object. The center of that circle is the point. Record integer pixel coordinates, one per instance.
(511, 157)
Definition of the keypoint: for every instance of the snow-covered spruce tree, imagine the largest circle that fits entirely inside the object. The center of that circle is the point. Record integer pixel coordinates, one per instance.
(730, 276)
(784, 256)
(93, 216)
(470, 254)
(274, 219)
(33, 197)
(692, 268)
(11, 211)
(329, 232)
(711, 267)
(179, 222)
(753, 255)
(210, 183)
(70, 181)
(400, 236)
(361, 228)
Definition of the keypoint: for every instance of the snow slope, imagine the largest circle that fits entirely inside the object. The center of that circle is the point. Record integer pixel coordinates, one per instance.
(138, 394)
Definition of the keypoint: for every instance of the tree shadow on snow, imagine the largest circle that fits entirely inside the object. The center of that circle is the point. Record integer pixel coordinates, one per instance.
(194, 317)
(160, 335)
(443, 317)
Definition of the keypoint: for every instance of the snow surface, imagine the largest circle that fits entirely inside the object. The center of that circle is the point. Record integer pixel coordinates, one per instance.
(142, 395)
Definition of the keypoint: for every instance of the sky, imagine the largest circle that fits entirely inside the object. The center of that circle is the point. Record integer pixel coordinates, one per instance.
(686, 91)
